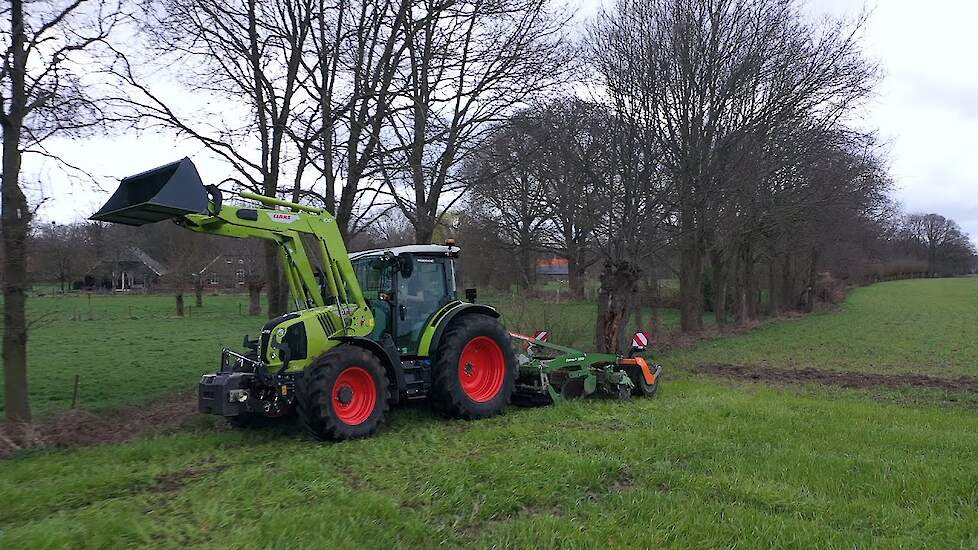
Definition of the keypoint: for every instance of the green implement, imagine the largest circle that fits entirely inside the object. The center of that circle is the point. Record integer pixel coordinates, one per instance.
(550, 373)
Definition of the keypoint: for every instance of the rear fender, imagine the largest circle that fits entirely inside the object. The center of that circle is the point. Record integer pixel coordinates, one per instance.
(431, 335)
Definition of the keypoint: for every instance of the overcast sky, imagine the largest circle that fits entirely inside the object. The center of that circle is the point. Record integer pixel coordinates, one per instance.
(926, 111)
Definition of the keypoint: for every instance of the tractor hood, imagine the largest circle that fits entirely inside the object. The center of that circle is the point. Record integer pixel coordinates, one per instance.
(163, 193)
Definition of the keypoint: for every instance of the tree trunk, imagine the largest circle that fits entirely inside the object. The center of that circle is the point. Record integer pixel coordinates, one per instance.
(719, 287)
(179, 297)
(617, 292)
(745, 306)
(575, 277)
(810, 283)
(277, 302)
(15, 219)
(199, 294)
(254, 299)
(787, 285)
(750, 293)
(691, 280)
(424, 228)
(772, 288)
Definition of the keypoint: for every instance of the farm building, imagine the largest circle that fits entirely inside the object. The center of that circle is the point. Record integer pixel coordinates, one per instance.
(553, 268)
(127, 269)
(227, 271)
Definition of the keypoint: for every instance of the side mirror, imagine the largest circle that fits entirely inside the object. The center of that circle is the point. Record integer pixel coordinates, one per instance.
(405, 265)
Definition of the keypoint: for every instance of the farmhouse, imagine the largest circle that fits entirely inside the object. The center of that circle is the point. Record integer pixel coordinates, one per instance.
(226, 271)
(553, 268)
(125, 270)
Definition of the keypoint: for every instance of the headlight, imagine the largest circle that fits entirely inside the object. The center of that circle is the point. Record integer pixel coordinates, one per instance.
(237, 396)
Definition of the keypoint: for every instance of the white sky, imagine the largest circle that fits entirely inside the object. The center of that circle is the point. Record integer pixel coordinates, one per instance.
(926, 110)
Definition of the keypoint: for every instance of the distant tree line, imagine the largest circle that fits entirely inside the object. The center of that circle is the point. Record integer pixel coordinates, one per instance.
(718, 148)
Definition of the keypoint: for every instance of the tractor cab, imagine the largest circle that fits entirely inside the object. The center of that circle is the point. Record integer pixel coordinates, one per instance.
(405, 287)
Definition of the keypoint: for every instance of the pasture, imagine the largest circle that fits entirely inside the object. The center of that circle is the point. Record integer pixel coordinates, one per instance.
(706, 463)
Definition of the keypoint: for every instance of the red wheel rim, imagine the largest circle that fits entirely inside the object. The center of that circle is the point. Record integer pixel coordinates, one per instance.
(481, 369)
(354, 396)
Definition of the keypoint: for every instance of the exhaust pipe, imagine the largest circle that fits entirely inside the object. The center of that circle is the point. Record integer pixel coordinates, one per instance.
(170, 191)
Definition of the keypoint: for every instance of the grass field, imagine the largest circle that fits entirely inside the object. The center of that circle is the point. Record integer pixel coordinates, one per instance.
(125, 348)
(912, 326)
(704, 464)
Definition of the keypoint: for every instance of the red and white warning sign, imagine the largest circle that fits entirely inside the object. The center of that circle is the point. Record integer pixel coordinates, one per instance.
(542, 335)
(640, 340)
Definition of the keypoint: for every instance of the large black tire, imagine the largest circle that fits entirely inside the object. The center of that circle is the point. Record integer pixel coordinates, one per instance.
(474, 369)
(344, 395)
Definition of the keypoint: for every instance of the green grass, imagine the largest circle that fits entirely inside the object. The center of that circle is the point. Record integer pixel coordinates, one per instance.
(570, 322)
(913, 326)
(705, 464)
(701, 466)
(125, 348)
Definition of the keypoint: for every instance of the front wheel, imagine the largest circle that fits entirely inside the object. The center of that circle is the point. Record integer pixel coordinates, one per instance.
(475, 369)
(344, 394)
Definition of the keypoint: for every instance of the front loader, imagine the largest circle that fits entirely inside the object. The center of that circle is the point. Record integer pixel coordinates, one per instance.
(368, 329)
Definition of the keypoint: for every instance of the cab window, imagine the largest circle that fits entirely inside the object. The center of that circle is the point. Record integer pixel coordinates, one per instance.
(427, 286)
(374, 277)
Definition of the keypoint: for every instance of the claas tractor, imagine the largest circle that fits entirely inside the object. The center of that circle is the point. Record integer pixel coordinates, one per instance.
(368, 329)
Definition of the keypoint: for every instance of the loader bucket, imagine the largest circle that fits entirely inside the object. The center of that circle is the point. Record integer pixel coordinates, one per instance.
(163, 193)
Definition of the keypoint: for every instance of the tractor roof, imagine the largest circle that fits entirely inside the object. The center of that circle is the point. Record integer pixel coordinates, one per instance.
(431, 249)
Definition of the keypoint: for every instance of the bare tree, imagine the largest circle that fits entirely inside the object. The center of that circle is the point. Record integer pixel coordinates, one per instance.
(710, 73)
(633, 217)
(246, 53)
(508, 194)
(357, 48)
(467, 63)
(61, 253)
(941, 238)
(571, 152)
(47, 53)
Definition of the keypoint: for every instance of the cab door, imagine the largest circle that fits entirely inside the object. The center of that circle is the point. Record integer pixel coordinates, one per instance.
(376, 284)
(422, 291)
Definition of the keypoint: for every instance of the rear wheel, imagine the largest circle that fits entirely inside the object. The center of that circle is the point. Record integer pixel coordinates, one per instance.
(475, 369)
(344, 394)
(643, 388)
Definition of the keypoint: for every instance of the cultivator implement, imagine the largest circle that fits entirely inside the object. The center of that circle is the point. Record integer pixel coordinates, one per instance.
(549, 373)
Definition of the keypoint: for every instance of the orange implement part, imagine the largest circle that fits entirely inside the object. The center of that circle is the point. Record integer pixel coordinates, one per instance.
(646, 371)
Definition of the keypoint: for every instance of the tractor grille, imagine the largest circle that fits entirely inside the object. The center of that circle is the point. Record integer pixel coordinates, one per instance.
(326, 323)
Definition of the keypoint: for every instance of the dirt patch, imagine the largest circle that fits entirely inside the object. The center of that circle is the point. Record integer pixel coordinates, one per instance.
(859, 380)
(174, 481)
(78, 428)
(621, 483)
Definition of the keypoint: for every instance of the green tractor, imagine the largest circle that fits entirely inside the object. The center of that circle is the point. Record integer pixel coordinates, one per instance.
(368, 329)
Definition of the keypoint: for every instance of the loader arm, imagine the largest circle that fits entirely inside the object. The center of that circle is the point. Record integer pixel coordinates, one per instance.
(175, 192)
(285, 228)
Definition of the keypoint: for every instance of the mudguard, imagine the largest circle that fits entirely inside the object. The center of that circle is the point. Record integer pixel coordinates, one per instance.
(431, 335)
